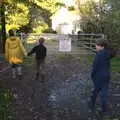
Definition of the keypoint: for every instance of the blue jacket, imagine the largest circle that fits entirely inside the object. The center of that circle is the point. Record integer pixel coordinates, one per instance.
(101, 65)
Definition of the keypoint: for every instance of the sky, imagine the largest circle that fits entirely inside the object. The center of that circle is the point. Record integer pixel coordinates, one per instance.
(69, 2)
(72, 2)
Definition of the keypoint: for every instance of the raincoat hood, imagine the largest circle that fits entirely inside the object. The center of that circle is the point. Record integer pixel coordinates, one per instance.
(13, 42)
(12, 38)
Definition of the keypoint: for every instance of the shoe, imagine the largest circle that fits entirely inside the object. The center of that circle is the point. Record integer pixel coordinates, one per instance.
(37, 76)
(91, 106)
(20, 77)
(14, 77)
(99, 114)
(42, 78)
(92, 110)
(106, 118)
(102, 116)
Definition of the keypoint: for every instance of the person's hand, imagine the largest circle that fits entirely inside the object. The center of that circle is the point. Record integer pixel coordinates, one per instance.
(6, 56)
(26, 54)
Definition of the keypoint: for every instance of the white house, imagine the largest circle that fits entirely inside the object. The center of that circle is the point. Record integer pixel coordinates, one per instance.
(65, 21)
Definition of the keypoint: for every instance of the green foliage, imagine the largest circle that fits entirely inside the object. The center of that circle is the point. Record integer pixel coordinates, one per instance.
(5, 104)
(71, 8)
(112, 24)
(50, 5)
(92, 17)
(49, 30)
(40, 27)
(42, 11)
(20, 14)
(115, 63)
(17, 17)
(102, 18)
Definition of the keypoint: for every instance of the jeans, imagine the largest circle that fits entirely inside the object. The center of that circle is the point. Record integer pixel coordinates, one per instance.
(16, 68)
(40, 64)
(100, 85)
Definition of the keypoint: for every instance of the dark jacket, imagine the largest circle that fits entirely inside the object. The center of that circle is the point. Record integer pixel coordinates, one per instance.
(40, 51)
(101, 65)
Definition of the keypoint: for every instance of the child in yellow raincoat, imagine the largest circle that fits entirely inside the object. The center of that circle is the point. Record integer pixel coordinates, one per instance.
(14, 53)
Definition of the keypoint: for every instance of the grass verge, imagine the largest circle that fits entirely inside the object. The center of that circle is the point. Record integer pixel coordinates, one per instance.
(115, 63)
(5, 104)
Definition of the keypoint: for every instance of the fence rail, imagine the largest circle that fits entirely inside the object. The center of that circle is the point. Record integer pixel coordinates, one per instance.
(87, 41)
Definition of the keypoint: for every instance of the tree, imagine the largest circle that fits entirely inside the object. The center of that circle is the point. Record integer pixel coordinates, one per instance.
(16, 15)
(3, 28)
(101, 17)
(40, 14)
(3, 11)
(93, 14)
(112, 24)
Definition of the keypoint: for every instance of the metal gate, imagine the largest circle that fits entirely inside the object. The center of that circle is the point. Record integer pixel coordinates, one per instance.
(80, 44)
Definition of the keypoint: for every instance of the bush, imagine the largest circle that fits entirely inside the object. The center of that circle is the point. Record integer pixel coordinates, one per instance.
(49, 30)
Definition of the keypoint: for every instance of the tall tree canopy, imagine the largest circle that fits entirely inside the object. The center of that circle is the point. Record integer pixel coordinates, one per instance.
(102, 17)
(41, 12)
(17, 15)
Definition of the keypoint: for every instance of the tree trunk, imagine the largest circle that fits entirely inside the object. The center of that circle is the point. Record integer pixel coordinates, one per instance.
(3, 29)
(0, 30)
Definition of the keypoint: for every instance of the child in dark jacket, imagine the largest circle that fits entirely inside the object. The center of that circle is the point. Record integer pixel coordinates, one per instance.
(40, 51)
(100, 76)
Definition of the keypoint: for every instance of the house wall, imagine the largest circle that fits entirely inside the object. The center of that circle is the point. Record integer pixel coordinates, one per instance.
(63, 21)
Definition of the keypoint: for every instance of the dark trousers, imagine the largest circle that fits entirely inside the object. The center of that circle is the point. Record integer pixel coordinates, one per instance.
(40, 65)
(15, 65)
(100, 85)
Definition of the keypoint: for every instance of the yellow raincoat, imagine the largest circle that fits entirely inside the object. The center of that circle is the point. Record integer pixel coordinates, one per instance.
(14, 50)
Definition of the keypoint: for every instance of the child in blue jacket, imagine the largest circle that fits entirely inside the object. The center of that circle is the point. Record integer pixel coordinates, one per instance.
(100, 76)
